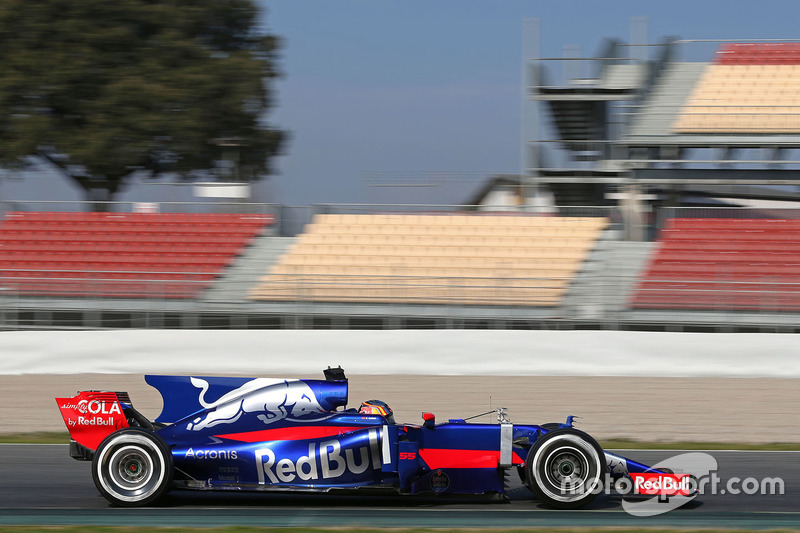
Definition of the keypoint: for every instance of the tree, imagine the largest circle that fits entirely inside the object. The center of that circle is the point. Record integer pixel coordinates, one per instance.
(102, 89)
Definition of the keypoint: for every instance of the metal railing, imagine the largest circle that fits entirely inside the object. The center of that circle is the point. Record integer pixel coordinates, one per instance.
(99, 284)
(131, 207)
(490, 290)
(609, 212)
(734, 213)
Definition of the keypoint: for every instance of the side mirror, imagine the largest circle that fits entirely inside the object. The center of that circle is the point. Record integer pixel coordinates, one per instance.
(429, 420)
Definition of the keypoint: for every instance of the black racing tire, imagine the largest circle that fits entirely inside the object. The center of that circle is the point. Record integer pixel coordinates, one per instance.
(133, 467)
(565, 468)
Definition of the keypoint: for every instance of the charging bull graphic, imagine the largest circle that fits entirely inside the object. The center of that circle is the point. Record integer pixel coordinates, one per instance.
(273, 399)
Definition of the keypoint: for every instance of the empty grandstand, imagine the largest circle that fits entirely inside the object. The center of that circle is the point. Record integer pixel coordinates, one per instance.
(434, 259)
(749, 88)
(707, 263)
(120, 255)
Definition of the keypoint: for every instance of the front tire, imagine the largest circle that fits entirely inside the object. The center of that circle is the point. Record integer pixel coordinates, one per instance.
(132, 467)
(565, 468)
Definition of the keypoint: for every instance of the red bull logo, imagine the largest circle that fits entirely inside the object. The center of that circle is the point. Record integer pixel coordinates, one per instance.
(92, 421)
(662, 484)
(272, 399)
(325, 460)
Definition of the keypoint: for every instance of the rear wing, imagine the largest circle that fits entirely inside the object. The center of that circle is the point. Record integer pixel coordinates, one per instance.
(91, 416)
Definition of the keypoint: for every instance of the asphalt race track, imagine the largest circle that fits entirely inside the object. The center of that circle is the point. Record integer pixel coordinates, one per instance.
(41, 484)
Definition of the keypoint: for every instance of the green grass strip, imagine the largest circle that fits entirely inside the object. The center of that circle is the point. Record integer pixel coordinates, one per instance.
(39, 437)
(245, 529)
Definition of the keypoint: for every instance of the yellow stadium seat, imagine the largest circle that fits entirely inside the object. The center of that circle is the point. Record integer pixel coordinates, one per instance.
(455, 259)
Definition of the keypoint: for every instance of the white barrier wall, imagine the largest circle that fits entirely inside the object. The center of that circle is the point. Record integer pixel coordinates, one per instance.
(422, 352)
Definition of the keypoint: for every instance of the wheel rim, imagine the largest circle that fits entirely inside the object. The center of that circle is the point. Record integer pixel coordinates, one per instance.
(131, 468)
(567, 468)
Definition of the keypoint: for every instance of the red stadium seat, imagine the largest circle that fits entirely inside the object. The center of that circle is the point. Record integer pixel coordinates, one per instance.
(713, 264)
(787, 53)
(132, 255)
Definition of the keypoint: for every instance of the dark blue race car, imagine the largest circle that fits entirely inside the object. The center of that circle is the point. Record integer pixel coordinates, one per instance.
(264, 434)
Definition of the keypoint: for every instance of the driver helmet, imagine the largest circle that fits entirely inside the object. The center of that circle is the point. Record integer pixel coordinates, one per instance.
(377, 407)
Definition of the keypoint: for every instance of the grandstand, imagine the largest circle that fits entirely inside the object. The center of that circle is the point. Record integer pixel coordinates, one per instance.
(674, 187)
(738, 265)
(120, 255)
(447, 259)
(751, 88)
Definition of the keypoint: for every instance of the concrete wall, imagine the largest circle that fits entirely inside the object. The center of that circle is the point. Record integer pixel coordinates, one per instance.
(647, 386)
(416, 352)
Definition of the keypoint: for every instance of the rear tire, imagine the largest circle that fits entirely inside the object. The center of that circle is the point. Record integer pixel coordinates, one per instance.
(565, 468)
(132, 467)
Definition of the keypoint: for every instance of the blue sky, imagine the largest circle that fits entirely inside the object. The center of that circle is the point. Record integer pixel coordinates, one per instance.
(435, 85)
(421, 86)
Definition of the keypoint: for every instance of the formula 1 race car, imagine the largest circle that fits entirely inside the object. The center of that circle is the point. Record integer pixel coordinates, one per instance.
(229, 433)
